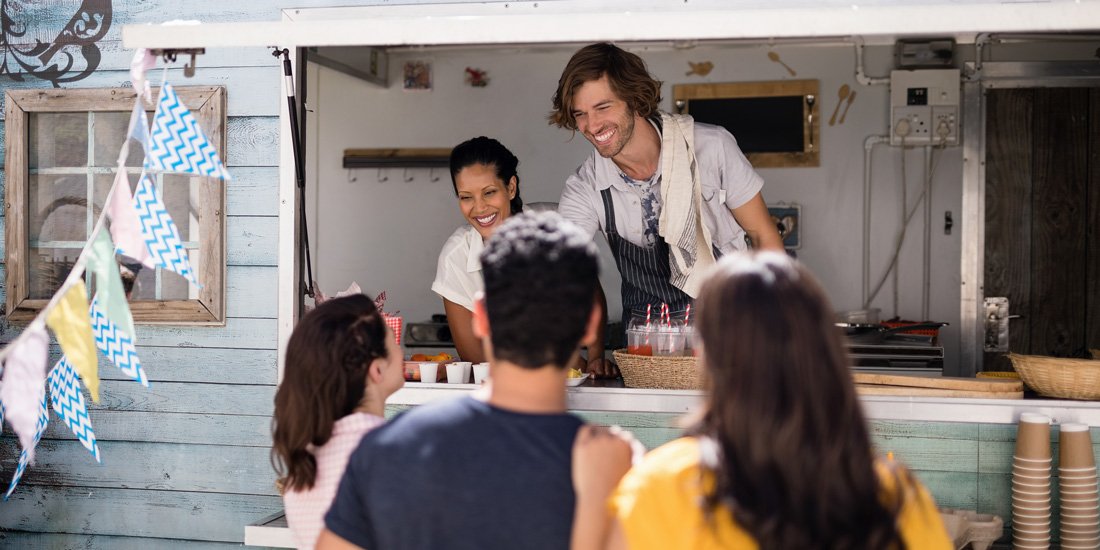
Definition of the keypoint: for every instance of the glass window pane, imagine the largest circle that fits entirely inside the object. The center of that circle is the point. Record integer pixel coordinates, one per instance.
(48, 268)
(181, 197)
(145, 280)
(109, 132)
(57, 208)
(58, 140)
(103, 184)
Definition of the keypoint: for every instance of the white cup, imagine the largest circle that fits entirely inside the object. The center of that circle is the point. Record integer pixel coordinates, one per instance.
(481, 373)
(458, 372)
(428, 371)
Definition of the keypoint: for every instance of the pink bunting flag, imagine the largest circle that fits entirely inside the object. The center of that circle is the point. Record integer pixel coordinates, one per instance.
(25, 384)
(125, 226)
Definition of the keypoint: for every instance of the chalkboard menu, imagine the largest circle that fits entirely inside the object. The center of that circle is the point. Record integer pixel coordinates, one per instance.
(774, 122)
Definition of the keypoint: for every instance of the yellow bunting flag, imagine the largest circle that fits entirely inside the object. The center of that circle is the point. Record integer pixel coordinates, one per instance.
(70, 322)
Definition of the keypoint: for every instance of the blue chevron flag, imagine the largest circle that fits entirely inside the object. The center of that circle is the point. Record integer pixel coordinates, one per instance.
(177, 144)
(24, 455)
(115, 344)
(68, 403)
(160, 233)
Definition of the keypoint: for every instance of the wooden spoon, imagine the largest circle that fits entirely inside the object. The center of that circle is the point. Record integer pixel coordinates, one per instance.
(851, 98)
(775, 57)
(843, 93)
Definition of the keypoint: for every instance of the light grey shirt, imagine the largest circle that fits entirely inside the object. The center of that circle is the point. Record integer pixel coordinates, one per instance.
(727, 181)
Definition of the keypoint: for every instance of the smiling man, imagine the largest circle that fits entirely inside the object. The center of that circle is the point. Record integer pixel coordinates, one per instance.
(670, 195)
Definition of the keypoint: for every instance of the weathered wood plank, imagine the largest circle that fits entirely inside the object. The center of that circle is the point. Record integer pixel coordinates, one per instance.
(996, 456)
(135, 512)
(631, 420)
(1008, 211)
(198, 429)
(177, 397)
(63, 541)
(160, 466)
(252, 91)
(925, 454)
(1058, 225)
(253, 141)
(931, 430)
(951, 489)
(252, 240)
(237, 333)
(252, 291)
(1007, 432)
(254, 191)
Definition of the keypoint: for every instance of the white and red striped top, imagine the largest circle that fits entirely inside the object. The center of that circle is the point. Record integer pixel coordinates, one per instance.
(305, 510)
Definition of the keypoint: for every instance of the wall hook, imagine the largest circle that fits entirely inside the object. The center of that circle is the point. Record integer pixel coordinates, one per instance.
(431, 175)
(351, 176)
(405, 175)
(382, 177)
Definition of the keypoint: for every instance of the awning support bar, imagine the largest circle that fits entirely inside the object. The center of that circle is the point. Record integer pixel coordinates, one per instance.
(299, 168)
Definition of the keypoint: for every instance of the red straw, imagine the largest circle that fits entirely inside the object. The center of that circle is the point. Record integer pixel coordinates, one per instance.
(687, 314)
(648, 308)
(664, 314)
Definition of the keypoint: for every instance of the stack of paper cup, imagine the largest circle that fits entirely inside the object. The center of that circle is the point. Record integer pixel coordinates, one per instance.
(1077, 482)
(1031, 483)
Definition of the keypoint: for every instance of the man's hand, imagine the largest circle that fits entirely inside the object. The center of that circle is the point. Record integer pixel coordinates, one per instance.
(601, 456)
(602, 368)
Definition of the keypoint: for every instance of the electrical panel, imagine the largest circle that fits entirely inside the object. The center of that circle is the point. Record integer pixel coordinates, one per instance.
(924, 107)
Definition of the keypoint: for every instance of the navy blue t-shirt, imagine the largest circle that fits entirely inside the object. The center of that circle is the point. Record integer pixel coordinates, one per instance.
(460, 474)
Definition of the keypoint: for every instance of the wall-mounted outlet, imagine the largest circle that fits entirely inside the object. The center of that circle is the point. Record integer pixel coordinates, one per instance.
(945, 125)
(924, 107)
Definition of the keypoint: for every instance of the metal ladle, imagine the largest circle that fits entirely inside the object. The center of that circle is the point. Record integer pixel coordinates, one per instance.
(810, 100)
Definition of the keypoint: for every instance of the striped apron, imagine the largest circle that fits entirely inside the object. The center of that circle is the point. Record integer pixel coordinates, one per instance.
(644, 269)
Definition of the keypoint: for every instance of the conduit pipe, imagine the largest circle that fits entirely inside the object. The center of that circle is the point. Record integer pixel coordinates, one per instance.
(861, 76)
(926, 288)
(868, 147)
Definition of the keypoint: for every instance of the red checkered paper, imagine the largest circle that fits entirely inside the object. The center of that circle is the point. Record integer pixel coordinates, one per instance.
(395, 325)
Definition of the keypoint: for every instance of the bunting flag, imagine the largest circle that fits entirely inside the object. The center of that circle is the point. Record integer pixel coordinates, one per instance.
(27, 454)
(108, 284)
(139, 129)
(116, 345)
(125, 225)
(69, 320)
(177, 144)
(25, 382)
(69, 404)
(160, 233)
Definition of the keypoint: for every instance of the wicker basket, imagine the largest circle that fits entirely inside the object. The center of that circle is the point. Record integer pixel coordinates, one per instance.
(662, 372)
(1058, 377)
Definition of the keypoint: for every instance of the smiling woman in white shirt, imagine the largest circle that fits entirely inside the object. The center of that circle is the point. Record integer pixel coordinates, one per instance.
(483, 173)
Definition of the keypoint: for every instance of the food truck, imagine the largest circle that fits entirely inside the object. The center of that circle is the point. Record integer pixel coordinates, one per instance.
(928, 161)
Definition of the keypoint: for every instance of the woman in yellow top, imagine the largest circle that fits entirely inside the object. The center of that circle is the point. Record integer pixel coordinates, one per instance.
(779, 457)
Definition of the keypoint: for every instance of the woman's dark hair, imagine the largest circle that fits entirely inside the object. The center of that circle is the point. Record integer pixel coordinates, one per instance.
(626, 73)
(782, 430)
(489, 152)
(324, 380)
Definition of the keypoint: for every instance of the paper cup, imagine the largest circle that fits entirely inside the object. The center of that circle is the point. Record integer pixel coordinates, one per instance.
(1033, 436)
(1078, 471)
(481, 373)
(1032, 471)
(1028, 485)
(458, 372)
(1032, 461)
(428, 371)
(1075, 447)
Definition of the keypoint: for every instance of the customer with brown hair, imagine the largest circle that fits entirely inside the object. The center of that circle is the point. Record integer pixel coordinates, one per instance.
(778, 458)
(342, 362)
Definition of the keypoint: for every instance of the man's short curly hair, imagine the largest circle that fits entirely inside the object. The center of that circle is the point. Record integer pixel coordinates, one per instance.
(540, 273)
(626, 73)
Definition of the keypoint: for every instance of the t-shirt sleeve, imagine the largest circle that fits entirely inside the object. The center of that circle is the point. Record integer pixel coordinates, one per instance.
(451, 279)
(652, 504)
(739, 180)
(920, 521)
(349, 516)
(576, 203)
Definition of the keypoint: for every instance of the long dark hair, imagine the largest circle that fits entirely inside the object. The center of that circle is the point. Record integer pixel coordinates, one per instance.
(782, 429)
(626, 74)
(489, 152)
(323, 381)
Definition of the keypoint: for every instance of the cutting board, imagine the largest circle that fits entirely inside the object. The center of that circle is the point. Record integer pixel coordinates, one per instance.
(940, 382)
(874, 389)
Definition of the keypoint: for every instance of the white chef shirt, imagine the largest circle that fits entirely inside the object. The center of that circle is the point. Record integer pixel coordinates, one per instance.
(458, 272)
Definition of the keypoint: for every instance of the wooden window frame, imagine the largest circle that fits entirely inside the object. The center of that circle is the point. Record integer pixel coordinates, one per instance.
(810, 156)
(208, 104)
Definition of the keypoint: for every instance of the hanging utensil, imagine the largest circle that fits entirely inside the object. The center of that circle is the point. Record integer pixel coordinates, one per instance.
(775, 58)
(810, 100)
(851, 98)
(843, 93)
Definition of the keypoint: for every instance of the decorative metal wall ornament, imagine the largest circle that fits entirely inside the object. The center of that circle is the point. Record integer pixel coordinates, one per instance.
(73, 55)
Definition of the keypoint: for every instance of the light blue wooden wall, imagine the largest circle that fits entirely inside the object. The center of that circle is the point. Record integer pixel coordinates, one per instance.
(185, 462)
